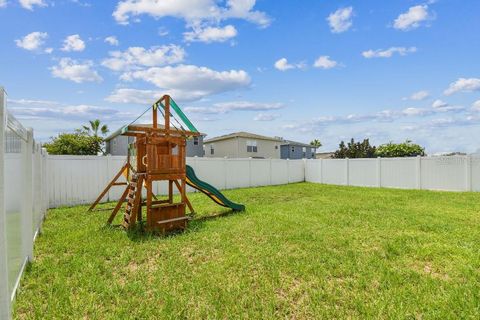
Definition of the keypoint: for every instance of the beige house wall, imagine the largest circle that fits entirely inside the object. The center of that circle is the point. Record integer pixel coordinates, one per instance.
(237, 148)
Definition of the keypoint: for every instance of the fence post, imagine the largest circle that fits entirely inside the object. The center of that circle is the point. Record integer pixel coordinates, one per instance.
(418, 169)
(379, 172)
(270, 183)
(4, 294)
(468, 173)
(321, 170)
(27, 204)
(288, 171)
(347, 173)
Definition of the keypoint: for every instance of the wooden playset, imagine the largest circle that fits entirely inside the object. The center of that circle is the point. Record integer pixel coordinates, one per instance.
(159, 154)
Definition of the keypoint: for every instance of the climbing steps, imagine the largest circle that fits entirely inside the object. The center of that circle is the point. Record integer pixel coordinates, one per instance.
(133, 200)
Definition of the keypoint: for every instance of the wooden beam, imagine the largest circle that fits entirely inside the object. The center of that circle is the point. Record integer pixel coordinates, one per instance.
(119, 205)
(134, 130)
(189, 204)
(110, 184)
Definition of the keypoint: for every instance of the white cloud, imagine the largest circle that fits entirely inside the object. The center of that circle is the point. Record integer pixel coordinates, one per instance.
(211, 34)
(324, 62)
(41, 109)
(193, 12)
(137, 57)
(388, 53)
(189, 82)
(441, 106)
(266, 117)
(29, 4)
(3, 3)
(283, 65)
(437, 104)
(418, 96)
(413, 18)
(73, 43)
(112, 40)
(463, 85)
(134, 96)
(341, 20)
(32, 41)
(476, 106)
(75, 71)
(226, 107)
(416, 111)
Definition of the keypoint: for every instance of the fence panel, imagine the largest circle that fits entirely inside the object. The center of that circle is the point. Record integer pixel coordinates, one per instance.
(296, 171)
(22, 202)
(237, 173)
(279, 171)
(363, 172)
(444, 173)
(260, 172)
(334, 171)
(76, 179)
(398, 173)
(313, 170)
(475, 173)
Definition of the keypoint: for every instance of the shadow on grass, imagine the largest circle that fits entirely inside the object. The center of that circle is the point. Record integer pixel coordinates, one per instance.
(139, 234)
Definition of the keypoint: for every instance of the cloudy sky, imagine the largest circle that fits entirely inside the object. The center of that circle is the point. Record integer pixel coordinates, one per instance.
(332, 70)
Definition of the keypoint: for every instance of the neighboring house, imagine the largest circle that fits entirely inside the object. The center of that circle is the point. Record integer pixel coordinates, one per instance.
(324, 155)
(296, 150)
(117, 145)
(243, 145)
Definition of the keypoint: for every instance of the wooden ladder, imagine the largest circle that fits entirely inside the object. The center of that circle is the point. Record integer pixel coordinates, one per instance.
(134, 198)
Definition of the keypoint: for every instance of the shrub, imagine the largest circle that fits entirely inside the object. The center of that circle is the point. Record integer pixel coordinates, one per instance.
(355, 150)
(404, 149)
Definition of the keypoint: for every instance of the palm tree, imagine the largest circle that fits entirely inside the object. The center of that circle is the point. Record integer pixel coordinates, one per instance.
(95, 126)
(316, 143)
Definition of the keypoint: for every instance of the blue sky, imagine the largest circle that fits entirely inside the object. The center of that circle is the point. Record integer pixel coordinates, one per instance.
(332, 70)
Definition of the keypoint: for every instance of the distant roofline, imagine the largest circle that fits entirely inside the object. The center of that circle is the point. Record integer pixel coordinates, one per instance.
(243, 134)
(288, 142)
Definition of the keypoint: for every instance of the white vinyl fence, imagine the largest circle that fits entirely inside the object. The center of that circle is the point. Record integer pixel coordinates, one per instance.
(80, 179)
(456, 173)
(23, 201)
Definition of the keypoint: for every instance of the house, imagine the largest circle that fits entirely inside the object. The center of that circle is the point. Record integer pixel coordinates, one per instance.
(243, 145)
(117, 145)
(296, 150)
(324, 155)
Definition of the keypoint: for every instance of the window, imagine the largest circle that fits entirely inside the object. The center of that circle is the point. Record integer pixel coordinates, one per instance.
(293, 149)
(212, 149)
(252, 146)
(304, 149)
(195, 141)
(276, 147)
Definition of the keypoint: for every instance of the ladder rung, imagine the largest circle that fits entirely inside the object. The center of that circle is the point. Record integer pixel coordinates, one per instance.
(173, 220)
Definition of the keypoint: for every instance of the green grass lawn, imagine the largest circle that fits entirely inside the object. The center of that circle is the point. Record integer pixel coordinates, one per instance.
(299, 251)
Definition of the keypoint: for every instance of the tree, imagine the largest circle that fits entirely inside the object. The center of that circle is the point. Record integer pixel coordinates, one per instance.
(355, 150)
(404, 149)
(94, 126)
(316, 143)
(77, 143)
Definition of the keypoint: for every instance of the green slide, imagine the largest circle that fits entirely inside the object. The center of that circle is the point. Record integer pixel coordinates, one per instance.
(211, 191)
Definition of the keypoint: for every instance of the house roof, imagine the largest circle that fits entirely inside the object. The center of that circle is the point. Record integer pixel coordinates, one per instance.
(301, 144)
(147, 125)
(243, 134)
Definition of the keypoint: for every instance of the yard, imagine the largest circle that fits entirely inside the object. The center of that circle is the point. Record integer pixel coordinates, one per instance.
(299, 251)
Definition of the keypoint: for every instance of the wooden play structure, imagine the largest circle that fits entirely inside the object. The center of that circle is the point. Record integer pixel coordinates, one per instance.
(158, 153)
